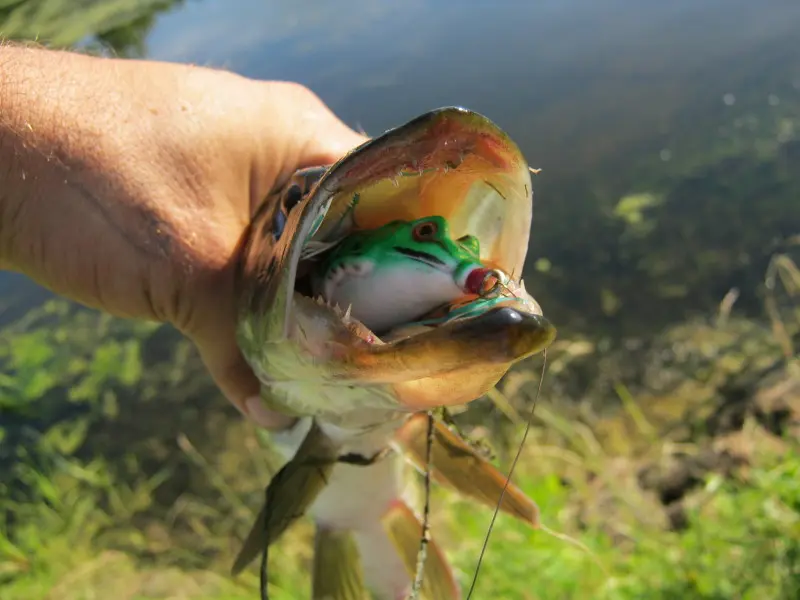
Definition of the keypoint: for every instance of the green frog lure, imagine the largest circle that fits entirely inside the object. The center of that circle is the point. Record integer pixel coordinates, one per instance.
(373, 291)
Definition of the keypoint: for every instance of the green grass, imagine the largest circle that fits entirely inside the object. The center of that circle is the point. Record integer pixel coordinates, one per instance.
(121, 25)
(124, 474)
(81, 520)
(743, 542)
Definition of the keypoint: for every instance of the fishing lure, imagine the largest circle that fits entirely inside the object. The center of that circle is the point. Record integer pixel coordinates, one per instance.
(395, 274)
(373, 291)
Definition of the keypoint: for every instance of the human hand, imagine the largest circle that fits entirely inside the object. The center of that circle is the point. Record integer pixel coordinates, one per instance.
(131, 183)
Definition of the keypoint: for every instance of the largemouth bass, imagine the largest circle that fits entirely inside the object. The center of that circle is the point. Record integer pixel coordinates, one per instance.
(372, 291)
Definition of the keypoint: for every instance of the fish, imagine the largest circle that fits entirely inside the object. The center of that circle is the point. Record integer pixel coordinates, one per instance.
(372, 292)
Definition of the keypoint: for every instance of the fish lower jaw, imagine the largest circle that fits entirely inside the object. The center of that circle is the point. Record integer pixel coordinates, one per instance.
(321, 320)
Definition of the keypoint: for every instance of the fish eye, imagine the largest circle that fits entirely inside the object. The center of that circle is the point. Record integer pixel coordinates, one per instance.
(425, 231)
(293, 195)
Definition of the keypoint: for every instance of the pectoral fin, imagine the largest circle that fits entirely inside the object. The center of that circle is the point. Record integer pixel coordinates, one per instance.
(289, 494)
(456, 464)
(405, 531)
(337, 567)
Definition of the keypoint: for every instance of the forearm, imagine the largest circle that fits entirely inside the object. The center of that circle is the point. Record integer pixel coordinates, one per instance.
(38, 152)
(69, 128)
(103, 175)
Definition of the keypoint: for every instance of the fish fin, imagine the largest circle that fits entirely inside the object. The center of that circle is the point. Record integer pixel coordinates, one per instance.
(289, 494)
(254, 543)
(337, 573)
(355, 500)
(456, 464)
(405, 531)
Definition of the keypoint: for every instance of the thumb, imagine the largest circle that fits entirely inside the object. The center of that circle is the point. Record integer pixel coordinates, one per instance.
(319, 136)
(303, 132)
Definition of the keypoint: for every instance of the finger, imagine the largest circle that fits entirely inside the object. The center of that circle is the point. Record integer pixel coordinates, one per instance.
(301, 131)
(236, 380)
(325, 137)
(318, 135)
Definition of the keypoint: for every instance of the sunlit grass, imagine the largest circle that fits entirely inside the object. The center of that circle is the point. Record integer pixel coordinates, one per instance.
(79, 522)
(744, 542)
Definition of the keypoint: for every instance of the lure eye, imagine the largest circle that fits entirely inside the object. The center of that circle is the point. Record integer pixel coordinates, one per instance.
(425, 231)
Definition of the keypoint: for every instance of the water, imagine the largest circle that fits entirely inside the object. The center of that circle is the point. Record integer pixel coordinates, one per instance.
(609, 99)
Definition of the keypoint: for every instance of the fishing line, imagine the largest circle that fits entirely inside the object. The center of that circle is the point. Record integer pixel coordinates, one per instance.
(263, 583)
(263, 578)
(422, 555)
(508, 479)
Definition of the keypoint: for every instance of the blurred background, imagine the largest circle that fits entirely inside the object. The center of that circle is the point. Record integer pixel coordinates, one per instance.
(666, 222)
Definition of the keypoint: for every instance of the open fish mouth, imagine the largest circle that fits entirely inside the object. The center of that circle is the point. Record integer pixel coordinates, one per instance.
(436, 324)
(451, 163)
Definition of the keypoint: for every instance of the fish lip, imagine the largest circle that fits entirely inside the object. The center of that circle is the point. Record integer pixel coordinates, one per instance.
(529, 329)
(547, 332)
